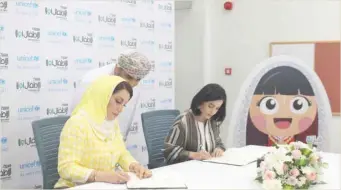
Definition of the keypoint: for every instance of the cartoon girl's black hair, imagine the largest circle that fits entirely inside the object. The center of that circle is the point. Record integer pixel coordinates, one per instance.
(282, 80)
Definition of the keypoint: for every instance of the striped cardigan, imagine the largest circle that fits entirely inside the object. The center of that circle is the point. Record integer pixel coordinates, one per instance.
(184, 137)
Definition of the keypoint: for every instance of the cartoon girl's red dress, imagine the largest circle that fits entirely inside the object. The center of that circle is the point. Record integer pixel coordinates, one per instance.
(272, 140)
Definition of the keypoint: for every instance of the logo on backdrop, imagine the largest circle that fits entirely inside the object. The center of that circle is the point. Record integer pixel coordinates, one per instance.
(129, 22)
(108, 62)
(61, 63)
(147, 44)
(33, 85)
(131, 147)
(3, 6)
(30, 168)
(166, 7)
(4, 144)
(86, 39)
(83, 15)
(31, 35)
(2, 31)
(29, 112)
(84, 63)
(58, 85)
(148, 83)
(144, 148)
(30, 141)
(165, 66)
(148, 105)
(106, 41)
(152, 65)
(27, 8)
(3, 61)
(37, 187)
(150, 25)
(109, 19)
(28, 62)
(4, 114)
(59, 13)
(6, 171)
(134, 128)
(165, 25)
(166, 103)
(57, 36)
(167, 46)
(2, 85)
(57, 111)
(129, 43)
(129, 2)
(166, 83)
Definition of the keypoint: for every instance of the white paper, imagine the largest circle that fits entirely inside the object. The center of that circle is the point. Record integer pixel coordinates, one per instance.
(240, 156)
(157, 181)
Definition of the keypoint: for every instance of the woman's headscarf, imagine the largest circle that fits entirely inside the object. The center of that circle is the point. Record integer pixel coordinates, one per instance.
(96, 98)
(239, 116)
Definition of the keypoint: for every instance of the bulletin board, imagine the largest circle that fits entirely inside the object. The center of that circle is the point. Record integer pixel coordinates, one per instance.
(323, 57)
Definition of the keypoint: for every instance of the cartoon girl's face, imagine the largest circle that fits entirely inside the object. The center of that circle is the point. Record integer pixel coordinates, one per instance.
(282, 115)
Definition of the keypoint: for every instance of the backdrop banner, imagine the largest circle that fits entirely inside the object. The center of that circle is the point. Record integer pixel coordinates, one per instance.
(46, 46)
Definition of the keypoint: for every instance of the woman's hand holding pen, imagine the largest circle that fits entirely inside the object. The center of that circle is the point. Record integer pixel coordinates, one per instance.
(202, 155)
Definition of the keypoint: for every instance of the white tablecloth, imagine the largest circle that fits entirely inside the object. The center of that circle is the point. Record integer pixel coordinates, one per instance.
(203, 175)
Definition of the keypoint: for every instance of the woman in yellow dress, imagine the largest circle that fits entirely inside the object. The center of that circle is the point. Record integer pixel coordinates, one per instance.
(91, 142)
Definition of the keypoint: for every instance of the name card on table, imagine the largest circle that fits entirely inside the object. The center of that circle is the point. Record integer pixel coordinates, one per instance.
(157, 181)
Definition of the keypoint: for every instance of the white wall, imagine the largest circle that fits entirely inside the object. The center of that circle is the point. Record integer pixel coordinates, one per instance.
(240, 38)
(188, 55)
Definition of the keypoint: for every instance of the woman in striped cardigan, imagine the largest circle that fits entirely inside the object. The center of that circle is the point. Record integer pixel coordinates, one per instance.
(195, 133)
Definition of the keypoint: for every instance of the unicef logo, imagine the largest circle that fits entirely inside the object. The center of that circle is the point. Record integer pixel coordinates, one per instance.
(58, 81)
(4, 140)
(26, 109)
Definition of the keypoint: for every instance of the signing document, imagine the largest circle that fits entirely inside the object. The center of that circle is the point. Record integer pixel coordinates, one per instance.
(157, 181)
(240, 156)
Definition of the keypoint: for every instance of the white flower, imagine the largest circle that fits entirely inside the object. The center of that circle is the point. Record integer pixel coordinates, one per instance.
(272, 184)
(296, 154)
(308, 170)
(292, 181)
(301, 181)
(279, 168)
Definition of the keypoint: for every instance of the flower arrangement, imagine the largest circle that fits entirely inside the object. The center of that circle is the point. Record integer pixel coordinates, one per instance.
(293, 166)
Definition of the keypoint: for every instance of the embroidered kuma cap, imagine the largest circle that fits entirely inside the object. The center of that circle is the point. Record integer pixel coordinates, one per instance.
(134, 63)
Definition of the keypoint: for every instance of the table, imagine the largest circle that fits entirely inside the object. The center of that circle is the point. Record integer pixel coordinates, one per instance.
(204, 175)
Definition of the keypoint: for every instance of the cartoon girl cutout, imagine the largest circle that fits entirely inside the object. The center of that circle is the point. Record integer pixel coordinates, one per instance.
(281, 101)
(283, 107)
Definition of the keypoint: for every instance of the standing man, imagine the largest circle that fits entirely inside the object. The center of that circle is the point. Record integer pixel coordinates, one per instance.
(131, 66)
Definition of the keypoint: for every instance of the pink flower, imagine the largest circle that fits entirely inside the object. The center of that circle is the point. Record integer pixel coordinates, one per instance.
(296, 154)
(269, 175)
(311, 176)
(294, 172)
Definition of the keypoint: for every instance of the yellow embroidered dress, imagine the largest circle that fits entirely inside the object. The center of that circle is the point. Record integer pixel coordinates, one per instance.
(83, 147)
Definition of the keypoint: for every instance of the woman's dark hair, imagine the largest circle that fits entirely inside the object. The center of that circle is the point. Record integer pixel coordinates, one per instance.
(210, 92)
(124, 85)
(283, 80)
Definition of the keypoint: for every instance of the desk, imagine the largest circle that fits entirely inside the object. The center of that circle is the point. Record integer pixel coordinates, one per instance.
(203, 175)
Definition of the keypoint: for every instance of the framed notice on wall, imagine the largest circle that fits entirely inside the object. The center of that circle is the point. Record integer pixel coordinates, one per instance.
(323, 57)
